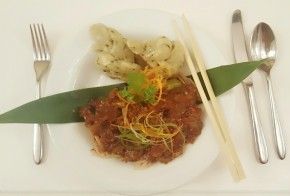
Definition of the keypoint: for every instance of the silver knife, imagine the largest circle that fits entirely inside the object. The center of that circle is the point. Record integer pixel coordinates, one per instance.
(241, 55)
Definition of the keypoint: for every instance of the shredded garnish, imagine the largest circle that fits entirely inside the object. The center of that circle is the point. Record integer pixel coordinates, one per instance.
(147, 128)
(125, 112)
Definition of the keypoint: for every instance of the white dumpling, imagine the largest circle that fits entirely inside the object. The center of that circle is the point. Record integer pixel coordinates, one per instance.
(104, 58)
(99, 34)
(136, 47)
(176, 58)
(157, 49)
(112, 53)
(116, 55)
(166, 54)
(120, 69)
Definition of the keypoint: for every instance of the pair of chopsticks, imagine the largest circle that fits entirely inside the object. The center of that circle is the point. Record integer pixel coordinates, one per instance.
(213, 108)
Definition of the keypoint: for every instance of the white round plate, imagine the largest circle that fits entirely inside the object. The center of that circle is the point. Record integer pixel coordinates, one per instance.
(76, 69)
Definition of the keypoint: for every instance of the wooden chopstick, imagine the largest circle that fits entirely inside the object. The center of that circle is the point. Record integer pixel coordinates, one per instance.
(217, 108)
(218, 123)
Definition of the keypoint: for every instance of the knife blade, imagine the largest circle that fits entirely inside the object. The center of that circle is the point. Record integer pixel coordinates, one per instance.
(241, 55)
(239, 42)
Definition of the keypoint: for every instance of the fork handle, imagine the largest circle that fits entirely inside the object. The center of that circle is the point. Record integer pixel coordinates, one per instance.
(259, 138)
(279, 134)
(37, 143)
(37, 133)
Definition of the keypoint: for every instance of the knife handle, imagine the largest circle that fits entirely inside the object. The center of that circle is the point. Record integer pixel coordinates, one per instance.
(259, 138)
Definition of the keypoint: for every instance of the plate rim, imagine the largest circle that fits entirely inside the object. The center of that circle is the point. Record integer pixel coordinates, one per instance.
(167, 13)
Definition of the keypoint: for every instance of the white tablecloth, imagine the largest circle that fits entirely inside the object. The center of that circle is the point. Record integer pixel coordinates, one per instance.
(214, 17)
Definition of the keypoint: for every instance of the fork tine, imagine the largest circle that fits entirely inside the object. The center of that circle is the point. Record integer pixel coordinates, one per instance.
(33, 43)
(45, 43)
(42, 47)
(38, 47)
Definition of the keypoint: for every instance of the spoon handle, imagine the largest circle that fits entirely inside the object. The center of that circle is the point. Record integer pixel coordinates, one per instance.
(260, 141)
(279, 134)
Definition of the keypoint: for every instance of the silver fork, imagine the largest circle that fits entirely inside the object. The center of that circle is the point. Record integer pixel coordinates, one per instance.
(41, 56)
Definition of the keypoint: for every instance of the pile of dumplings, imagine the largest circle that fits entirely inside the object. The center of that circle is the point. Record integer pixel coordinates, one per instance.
(117, 56)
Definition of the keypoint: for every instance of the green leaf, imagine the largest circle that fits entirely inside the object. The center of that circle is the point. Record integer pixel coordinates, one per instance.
(63, 107)
(58, 108)
(226, 77)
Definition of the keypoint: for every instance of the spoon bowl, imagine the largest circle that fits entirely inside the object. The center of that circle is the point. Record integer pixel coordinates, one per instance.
(263, 46)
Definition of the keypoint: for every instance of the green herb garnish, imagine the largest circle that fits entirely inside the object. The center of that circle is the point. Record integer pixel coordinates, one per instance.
(150, 94)
(139, 89)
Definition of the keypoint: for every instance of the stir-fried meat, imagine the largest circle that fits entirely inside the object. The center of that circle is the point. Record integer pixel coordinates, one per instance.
(178, 106)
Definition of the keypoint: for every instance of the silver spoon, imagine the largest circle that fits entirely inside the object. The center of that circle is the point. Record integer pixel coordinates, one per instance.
(263, 46)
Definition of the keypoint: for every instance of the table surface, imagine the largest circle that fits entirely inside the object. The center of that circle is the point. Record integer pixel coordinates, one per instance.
(214, 17)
